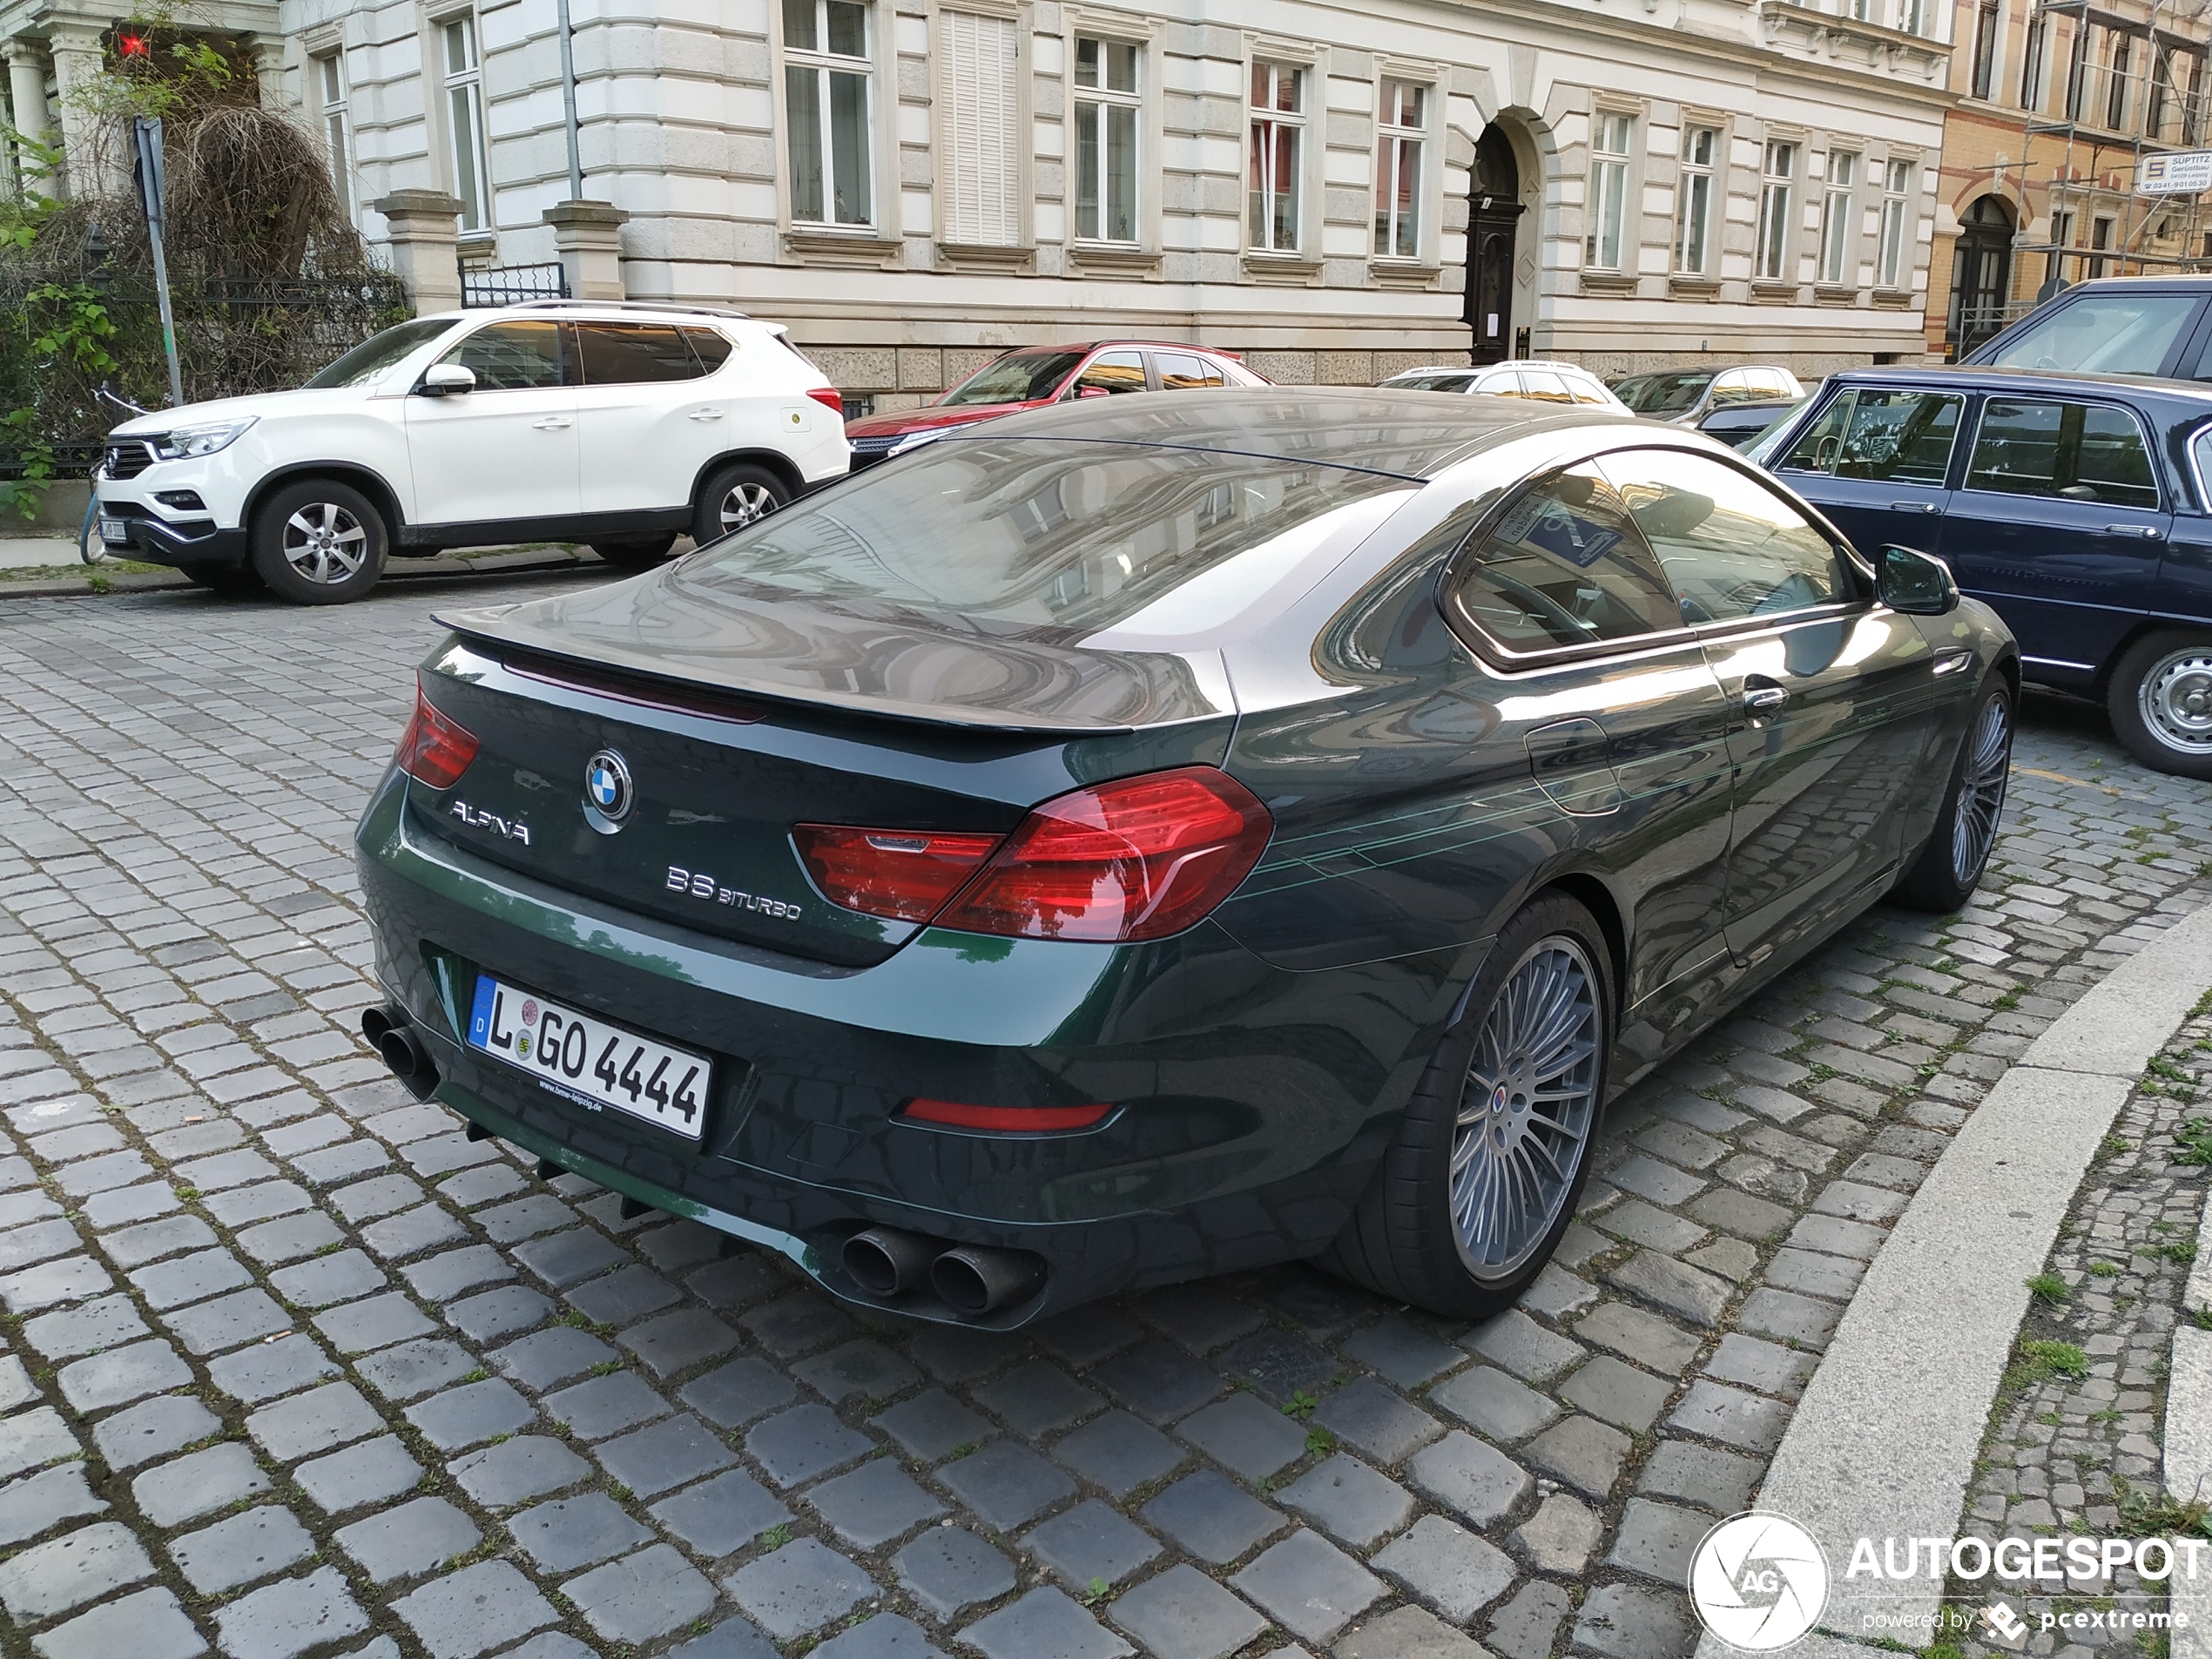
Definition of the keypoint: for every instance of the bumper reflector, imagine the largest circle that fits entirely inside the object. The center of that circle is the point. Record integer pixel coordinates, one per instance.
(1015, 1119)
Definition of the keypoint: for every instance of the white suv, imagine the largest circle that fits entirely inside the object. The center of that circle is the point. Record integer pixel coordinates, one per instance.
(619, 424)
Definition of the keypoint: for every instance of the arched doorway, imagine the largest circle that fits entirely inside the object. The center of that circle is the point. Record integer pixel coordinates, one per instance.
(1493, 229)
(1981, 273)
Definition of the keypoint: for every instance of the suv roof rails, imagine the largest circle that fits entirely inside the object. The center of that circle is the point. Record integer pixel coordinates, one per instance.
(700, 309)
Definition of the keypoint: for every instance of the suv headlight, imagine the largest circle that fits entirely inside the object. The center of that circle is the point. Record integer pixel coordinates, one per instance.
(185, 441)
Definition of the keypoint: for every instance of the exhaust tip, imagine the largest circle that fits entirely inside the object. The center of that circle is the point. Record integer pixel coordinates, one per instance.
(974, 1280)
(888, 1261)
(410, 1062)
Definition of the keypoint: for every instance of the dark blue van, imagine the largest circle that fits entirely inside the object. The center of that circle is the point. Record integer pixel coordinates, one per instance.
(2076, 505)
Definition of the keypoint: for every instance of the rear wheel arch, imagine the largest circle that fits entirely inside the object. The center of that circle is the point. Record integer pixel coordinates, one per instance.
(1596, 897)
(771, 460)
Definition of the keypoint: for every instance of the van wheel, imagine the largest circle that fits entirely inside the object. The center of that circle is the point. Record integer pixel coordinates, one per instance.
(736, 496)
(640, 554)
(1483, 1178)
(318, 543)
(1950, 867)
(2161, 703)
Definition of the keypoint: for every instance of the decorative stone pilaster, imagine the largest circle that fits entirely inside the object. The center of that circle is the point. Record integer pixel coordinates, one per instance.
(91, 160)
(269, 71)
(27, 90)
(424, 229)
(588, 236)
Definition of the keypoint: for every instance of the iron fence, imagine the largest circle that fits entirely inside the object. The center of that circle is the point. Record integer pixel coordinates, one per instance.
(507, 285)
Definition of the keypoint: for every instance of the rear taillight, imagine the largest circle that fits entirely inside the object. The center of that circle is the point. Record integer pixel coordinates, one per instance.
(904, 874)
(435, 749)
(1138, 859)
(1003, 1120)
(830, 398)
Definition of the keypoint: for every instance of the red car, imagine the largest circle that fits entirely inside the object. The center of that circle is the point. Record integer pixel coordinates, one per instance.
(1034, 375)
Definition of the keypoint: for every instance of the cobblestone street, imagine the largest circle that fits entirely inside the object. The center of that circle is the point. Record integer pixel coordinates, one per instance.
(296, 1367)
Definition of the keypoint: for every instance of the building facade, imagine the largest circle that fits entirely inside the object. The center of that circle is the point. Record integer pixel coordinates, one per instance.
(1337, 192)
(2056, 104)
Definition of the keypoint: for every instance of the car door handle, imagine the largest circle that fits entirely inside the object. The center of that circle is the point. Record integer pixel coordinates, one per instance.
(2148, 532)
(1915, 507)
(1764, 698)
(706, 414)
(552, 423)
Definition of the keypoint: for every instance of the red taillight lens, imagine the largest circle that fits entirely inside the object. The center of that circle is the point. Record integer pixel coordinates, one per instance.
(830, 398)
(904, 874)
(435, 749)
(1004, 1120)
(1137, 859)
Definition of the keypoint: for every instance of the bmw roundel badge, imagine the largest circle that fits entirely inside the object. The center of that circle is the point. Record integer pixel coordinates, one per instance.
(607, 790)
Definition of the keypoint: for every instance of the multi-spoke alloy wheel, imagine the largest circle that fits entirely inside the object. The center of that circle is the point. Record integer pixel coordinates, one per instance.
(1987, 763)
(2175, 701)
(1530, 1103)
(747, 503)
(734, 496)
(325, 544)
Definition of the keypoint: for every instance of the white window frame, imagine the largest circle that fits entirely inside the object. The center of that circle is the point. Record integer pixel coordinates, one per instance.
(821, 62)
(1838, 222)
(334, 103)
(1091, 105)
(1912, 16)
(471, 163)
(1776, 253)
(1606, 242)
(1696, 190)
(1262, 124)
(1892, 270)
(1395, 143)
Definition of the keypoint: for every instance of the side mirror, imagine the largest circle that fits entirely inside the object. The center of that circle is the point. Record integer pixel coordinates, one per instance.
(1915, 584)
(1092, 391)
(443, 380)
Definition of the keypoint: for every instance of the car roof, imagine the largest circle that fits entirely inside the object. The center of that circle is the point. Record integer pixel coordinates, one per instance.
(1098, 345)
(1412, 434)
(2040, 380)
(603, 311)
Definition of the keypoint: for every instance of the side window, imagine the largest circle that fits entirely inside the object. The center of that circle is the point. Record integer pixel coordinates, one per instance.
(1585, 391)
(1179, 373)
(2077, 451)
(711, 349)
(1564, 566)
(1729, 546)
(631, 354)
(1732, 388)
(1501, 385)
(1893, 437)
(1112, 371)
(1544, 386)
(511, 356)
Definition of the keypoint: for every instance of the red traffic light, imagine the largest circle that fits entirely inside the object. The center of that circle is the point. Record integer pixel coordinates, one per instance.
(128, 45)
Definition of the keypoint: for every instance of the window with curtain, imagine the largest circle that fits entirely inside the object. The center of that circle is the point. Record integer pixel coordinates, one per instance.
(1694, 200)
(978, 66)
(1279, 153)
(465, 123)
(1776, 192)
(1988, 22)
(338, 139)
(1604, 242)
(829, 92)
(1891, 261)
(1839, 202)
(1401, 132)
(1108, 101)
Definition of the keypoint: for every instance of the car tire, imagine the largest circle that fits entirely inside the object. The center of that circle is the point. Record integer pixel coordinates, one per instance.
(2161, 701)
(734, 496)
(233, 579)
(1950, 863)
(318, 543)
(639, 554)
(1467, 1204)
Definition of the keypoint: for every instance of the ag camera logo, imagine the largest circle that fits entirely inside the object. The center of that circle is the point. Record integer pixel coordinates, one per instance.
(1758, 1581)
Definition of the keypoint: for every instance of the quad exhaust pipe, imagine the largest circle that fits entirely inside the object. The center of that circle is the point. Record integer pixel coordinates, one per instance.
(391, 1035)
(971, 1279)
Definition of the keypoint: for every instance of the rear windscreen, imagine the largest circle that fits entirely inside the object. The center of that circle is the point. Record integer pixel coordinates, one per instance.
(2101, 334)
(1031, 532)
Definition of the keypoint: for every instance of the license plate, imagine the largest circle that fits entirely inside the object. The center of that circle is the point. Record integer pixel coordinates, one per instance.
(114, 530)
(590, 1061)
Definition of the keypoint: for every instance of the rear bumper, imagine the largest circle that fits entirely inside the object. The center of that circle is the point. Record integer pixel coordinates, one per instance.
(1252, 1102)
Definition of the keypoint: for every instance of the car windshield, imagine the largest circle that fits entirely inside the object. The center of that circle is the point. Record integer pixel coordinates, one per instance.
(1663, 393)
(2101, 334)
(1448, 381)
(1029, 534)
(379, 352)
(1019, 377)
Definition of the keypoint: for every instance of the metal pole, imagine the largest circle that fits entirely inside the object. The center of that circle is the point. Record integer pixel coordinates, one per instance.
(568, 104)
(146, 140)
(168, 320)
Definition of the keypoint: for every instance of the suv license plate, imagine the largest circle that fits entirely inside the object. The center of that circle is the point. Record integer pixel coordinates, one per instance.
(114, 530)
(590, 1061)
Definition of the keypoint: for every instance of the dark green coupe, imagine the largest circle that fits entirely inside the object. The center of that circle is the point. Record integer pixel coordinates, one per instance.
(1120, 845)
